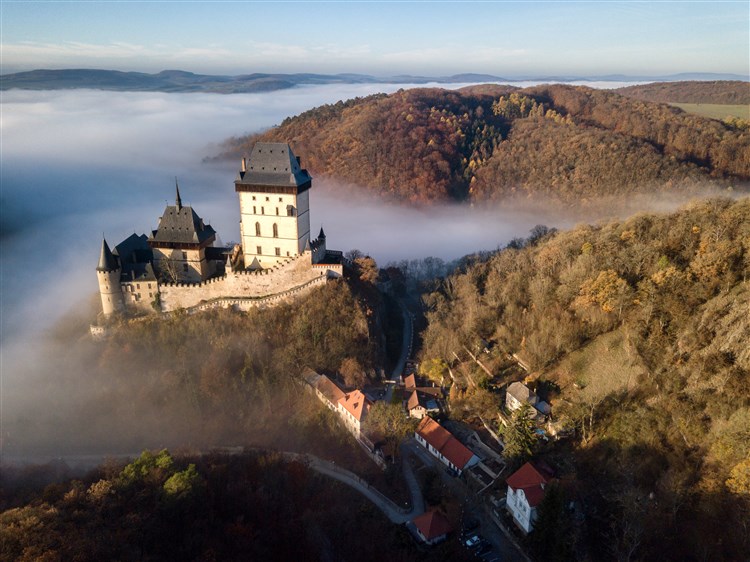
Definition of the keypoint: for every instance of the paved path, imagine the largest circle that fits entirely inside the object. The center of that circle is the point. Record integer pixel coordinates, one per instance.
(395, 513)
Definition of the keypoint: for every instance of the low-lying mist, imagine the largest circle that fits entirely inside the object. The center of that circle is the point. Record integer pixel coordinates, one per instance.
(80, 164)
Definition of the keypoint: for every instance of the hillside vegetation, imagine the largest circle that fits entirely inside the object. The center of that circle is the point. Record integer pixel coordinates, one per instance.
(498, 142)
(726, 92)
(637, 333)
(213, 507)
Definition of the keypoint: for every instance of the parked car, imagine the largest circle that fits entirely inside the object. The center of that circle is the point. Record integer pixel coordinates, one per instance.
(472, 541)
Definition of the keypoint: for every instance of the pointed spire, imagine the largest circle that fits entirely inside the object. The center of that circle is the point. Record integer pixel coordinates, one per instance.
(178, 202)
(107, 261)
(228, 268)
(255, 265)
(322, 235)
(307, 246)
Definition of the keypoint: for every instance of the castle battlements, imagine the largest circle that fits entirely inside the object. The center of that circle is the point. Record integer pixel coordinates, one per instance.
(178, 267)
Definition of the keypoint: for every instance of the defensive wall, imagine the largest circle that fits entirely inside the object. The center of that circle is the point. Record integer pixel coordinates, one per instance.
(243, 288)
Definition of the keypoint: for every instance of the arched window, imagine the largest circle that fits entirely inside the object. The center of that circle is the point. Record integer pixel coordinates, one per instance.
(275, 230)
(257, 229)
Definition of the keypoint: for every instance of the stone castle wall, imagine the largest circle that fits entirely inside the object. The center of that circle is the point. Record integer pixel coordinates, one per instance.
(233, 286)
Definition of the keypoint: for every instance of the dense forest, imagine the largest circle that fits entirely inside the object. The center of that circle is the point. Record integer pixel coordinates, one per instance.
(558, 142)
(724, 92)
(210, 507)
(637, 333)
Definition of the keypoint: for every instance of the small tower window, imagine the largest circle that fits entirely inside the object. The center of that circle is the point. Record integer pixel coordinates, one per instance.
(267, 199)
(277, 210)
(275, 230)
(255, 212)
(257, 229)
(262, 211)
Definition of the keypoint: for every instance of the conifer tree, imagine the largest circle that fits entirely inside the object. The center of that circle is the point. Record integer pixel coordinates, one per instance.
(519, 437)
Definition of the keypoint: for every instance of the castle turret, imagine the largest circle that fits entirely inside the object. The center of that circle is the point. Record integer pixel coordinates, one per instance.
(108, 273)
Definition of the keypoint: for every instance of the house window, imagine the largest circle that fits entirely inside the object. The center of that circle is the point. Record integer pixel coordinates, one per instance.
(255, 209)
(257, 229)
(278, 251)
(275, 230)
(280, 199)
(277, 210)
(253, 195)
(267, 199)
(262, 211)
(289, 210)
(184, 255)
(258, 250)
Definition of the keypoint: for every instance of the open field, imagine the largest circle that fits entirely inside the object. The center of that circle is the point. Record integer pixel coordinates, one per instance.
(715, 110)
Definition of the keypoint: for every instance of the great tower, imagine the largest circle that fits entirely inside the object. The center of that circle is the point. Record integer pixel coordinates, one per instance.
(274, 205)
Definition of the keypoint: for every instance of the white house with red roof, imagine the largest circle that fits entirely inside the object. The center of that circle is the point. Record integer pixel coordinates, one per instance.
(525, 493)
(443, 445)
(353, 408)
(432, 527)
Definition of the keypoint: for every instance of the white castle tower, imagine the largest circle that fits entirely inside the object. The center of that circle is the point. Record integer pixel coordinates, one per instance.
(108, 273)
(274, 205)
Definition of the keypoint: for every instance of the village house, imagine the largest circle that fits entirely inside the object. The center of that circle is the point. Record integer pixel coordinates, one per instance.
(351, 407)
(421, 404)
(525, 493)
(443, 445)
(432, 527)
(518, 394)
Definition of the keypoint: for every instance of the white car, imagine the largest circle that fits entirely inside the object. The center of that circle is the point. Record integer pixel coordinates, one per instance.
(472, 541)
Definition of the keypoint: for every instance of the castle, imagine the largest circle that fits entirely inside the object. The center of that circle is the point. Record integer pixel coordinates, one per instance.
(178, 266)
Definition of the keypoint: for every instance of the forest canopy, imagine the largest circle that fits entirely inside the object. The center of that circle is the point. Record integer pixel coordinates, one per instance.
(560, 142)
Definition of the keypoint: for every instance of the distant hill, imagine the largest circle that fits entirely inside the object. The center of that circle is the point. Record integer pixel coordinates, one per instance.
(724, 92)
(495, 142)
(181, 81)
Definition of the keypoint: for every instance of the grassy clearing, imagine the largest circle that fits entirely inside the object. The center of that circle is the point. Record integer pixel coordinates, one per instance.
(715, 110)
(608, 364)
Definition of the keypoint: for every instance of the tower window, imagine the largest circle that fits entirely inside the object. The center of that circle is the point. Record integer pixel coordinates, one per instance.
(184, 255)
(255, 211)
(277, 210)
(278, 251)
(267, 199)
(258, 250)
(275, 230)
(253, 195)
(290, 210)
(262, 212)
(280, 199)
(257, 229)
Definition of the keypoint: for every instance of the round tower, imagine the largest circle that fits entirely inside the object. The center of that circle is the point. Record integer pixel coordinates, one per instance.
(108, 273)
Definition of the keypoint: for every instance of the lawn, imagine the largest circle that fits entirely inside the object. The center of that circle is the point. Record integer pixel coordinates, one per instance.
(715, 110)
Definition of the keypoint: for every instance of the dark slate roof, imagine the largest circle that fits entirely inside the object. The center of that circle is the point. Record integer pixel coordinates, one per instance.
(134, 249)
(274, 164)
(181, 225)
(217, 254)
(138, 272)
(107, 261)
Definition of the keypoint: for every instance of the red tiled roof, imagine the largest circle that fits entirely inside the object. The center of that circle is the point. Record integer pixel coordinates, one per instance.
(531, 481)
(413, 400)
(356, 404)
(443, 440)
(410, 382)
(432, 524)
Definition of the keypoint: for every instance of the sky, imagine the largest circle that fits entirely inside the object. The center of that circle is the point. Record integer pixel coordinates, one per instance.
(503, 38)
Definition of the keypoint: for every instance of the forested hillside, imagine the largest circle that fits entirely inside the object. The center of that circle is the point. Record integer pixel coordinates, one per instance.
(725, 92)
(211, 507)
(637, 333)
(562, 142)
